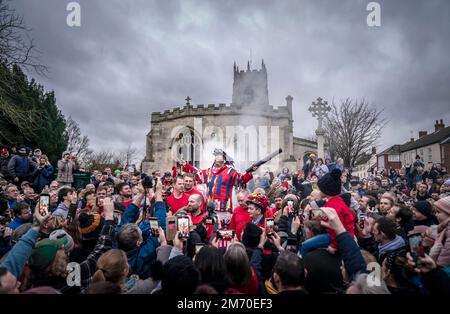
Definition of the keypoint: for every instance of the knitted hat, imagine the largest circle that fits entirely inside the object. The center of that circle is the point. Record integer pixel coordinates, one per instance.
(259, 200)
(62, 234)
(443, 205)
(44, 253)
(251, 236)
(330, 183)
(424, 208)
(90, 225)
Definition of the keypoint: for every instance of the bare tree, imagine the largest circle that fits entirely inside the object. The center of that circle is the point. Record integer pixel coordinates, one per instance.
(16, 45)
(352, 129)
(99, 160)
(128, 156)
(77, 145)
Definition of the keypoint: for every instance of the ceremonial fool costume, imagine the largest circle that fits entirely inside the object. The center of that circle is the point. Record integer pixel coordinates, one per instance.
(220, 182)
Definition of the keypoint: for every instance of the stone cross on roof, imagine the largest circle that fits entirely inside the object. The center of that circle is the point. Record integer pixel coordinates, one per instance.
(320, 110)
(188, 99)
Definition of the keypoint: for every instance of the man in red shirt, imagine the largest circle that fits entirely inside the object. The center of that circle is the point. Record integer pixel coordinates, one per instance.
(125, 195)
(189, 188)
(178, 198)
(197, 216)
(240, 217)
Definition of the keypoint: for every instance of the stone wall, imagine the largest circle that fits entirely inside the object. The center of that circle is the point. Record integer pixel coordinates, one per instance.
(216, 120)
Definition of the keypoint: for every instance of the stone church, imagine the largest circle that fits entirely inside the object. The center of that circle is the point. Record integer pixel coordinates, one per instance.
(248, 129)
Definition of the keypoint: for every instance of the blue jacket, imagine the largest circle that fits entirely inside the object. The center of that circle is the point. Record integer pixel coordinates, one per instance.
(16, 223)
(43, 176)
(351, 254)
(20, 253)
(318, 241)
(21, 166)
(140, 258)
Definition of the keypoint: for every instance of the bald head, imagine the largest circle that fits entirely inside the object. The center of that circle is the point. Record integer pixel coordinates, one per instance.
(195, 201)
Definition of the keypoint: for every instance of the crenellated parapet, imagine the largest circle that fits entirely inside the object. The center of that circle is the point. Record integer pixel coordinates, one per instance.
(218, 109)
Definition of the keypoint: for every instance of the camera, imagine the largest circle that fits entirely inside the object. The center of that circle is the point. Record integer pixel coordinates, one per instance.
(147, 181)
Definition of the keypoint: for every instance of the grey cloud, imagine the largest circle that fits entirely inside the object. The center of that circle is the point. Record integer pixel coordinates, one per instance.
(130, 58)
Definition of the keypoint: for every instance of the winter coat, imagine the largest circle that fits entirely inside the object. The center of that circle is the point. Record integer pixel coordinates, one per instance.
(43, 176)
(318, 241)
(4, 166)
(345, 215)
(65, 170)
(21, 166)
(141, 257)
(440, 251)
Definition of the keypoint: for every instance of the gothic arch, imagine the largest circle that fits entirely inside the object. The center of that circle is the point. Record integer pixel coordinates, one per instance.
(187, 144)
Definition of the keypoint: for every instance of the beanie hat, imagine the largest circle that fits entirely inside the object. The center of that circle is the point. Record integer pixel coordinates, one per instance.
(4, 152)
(90, 225)
(447, 182)
(259, 200)
(443, 205)
(62, 234)
(44, 253)
(424, 208)
(65, 153)
(330, 183)
(251, 236)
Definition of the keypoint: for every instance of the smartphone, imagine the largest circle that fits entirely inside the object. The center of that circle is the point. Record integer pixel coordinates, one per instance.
(362, 219)
(290, 206)
(183, 226)
(71, 214)
(225, 235)
(269, 223)
(154, 226)
(318, 214)
(415, 246)
(44, 203)
(171, 228)
(198, 247)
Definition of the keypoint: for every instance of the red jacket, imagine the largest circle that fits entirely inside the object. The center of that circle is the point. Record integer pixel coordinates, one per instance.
(345, 215)
(196, 220)
(239, 220)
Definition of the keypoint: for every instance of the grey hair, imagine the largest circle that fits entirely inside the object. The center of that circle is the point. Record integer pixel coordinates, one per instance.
(128, 236)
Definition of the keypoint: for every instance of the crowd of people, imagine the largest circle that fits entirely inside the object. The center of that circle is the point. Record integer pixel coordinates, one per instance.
(315, 230)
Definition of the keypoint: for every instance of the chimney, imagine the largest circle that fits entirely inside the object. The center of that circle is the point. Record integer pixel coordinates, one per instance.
(412, 139)
(422, 133)
(374, 150)
(439, 125)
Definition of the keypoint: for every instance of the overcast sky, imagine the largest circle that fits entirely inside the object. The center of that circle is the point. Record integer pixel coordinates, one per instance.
(130, 58)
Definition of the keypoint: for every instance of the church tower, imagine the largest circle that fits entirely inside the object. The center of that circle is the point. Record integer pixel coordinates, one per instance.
(250, 88)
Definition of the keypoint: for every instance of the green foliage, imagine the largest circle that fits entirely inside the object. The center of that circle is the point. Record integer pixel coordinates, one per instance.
(29, 115)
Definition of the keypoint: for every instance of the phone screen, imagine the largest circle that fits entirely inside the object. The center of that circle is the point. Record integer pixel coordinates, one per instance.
(225, 237)
(319, 214)
(415, 245)
(269, 225)
(183, 226)
(44, 203)
(171, 228)
(362, 218)
(154, 226)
